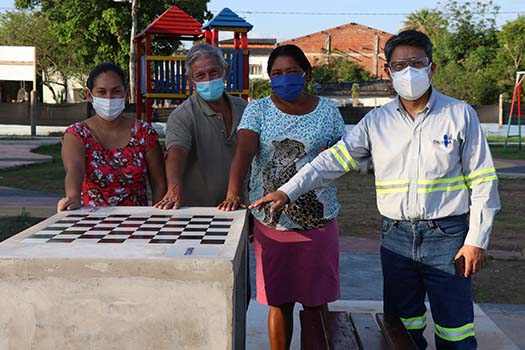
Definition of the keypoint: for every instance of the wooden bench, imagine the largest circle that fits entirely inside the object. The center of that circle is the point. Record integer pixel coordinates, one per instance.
(349, 331)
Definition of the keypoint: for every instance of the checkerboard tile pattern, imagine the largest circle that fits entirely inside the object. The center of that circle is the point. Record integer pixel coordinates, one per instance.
(133, 228)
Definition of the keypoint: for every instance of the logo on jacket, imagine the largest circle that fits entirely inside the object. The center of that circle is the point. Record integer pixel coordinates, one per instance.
(445, 141)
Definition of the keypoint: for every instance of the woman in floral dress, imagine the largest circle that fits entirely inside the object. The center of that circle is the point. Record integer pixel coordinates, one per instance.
(108, 158)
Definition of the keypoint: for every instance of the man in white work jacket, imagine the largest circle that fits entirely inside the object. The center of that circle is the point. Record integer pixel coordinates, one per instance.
(436, 188)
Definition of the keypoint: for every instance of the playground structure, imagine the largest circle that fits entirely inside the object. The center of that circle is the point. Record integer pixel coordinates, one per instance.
(164, 77)
(516, 100)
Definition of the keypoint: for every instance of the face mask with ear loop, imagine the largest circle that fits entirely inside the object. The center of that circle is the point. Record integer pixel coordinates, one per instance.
(210, 90)
(288, 86)
(108, 108)
(411, 83)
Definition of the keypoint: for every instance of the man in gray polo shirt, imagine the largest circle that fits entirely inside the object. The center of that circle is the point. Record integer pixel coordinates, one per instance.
(201, 134)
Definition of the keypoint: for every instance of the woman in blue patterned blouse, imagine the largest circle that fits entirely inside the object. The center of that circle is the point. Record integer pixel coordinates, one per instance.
(297, 248)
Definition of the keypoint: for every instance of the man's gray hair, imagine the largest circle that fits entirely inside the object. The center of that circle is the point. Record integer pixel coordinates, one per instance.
(203, 50)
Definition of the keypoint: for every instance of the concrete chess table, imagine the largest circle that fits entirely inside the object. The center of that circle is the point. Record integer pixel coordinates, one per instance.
(126, 278)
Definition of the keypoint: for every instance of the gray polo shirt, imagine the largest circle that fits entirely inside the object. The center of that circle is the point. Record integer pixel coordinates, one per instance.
(196, 127)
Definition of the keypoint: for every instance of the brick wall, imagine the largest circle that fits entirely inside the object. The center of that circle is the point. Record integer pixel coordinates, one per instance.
(352, 40)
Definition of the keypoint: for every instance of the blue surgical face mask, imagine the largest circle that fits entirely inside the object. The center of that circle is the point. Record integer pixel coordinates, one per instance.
(288, 86)
(210, 90)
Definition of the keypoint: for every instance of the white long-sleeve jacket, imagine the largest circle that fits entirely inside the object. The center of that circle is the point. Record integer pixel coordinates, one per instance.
(435, 166)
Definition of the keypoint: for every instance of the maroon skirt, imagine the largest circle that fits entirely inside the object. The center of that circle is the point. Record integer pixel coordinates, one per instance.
(297, 266)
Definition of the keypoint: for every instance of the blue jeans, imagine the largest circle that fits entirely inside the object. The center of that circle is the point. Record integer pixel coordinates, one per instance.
(418, 260)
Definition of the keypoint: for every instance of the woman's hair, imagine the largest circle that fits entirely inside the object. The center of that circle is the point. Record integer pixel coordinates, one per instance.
(291, 51)
(203, 50)
(104, 68)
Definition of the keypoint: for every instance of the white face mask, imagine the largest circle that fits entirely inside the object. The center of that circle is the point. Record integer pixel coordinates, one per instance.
(108, 108)
(411, 83)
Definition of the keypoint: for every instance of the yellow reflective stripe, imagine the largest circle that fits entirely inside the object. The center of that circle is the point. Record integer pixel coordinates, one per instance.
(392, 182)
(443, 188)
(441, 181)
(481, 172)
(418, 322)
(391, 190)
(483, 179)
(339, 159)
(403, 182)
(347, 155)
(455, 334)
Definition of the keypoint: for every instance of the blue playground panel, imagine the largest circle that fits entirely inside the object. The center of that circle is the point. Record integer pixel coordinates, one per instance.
(169, 76)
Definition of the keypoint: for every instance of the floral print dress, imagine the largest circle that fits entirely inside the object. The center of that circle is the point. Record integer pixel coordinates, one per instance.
(115, 177)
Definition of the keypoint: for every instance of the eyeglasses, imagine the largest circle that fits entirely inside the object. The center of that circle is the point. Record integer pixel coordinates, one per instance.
(416, 62)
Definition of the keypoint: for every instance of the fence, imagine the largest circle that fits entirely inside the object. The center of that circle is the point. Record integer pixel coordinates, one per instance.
(69, 113)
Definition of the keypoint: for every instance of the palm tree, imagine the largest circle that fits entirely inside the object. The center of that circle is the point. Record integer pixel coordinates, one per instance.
(428, 21)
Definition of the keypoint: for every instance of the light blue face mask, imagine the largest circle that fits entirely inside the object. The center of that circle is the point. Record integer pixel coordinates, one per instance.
(210, 90)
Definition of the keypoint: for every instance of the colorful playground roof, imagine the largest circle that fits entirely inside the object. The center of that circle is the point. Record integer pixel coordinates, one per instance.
(227, 20)
(174, 23)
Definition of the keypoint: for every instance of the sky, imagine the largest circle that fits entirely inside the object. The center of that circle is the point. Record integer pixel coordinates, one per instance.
(276, 18)
(287, 19)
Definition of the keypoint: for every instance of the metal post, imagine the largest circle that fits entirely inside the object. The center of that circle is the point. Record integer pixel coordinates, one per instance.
(500, 111)
(132, 52)
(32, 110)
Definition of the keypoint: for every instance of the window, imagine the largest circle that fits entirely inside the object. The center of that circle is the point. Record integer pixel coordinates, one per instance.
(255, 69)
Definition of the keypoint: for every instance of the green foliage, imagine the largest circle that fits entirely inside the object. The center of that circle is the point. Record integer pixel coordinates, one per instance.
(338, 69)
(509, 57)
(470, 25)
(475, 61)
(428, 21)
(260, 88)
(99, 30)
(466, 46)
(54, 62)
(355, 94)
(24, 217)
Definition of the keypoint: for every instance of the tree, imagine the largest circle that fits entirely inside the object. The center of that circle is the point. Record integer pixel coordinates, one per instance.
(54, 62)
(428, 21)
(339, 69)
(471, 25)
(510, 55)
(260, 88)
(100, 30)
(464, 51)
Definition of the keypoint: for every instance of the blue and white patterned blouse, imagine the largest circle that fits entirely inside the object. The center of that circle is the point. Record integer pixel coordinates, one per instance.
(286, 143)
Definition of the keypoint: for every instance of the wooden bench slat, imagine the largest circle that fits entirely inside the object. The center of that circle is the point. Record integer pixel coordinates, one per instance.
(341, 331)
(368, 334)
(355, 331)
(395, 333)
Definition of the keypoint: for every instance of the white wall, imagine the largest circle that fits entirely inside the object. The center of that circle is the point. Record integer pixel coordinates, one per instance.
(73, 84)
(262, 61)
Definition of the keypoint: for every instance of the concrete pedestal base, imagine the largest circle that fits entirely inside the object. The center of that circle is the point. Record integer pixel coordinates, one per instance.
(123, 296)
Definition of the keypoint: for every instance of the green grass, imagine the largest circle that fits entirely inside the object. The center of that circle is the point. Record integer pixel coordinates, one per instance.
(14, 224)
(47, 177)
(512, 152)
(495, 138)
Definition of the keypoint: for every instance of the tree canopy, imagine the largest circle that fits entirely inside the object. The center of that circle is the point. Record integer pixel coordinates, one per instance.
(338, 69)
(99, 31)
(20, 28)
(475, 60)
